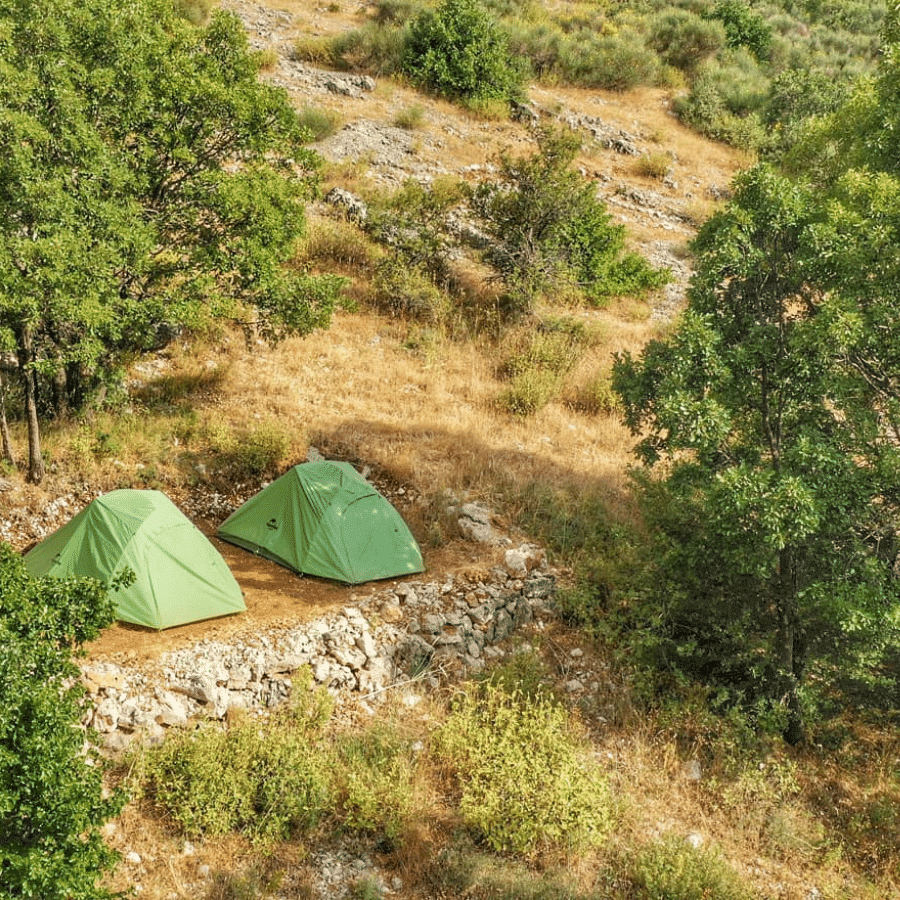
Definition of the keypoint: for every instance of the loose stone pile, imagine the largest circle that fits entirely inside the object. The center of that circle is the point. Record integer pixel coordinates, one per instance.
(415, 629)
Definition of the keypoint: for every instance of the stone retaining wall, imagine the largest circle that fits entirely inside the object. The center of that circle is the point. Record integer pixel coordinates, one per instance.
(415, 629)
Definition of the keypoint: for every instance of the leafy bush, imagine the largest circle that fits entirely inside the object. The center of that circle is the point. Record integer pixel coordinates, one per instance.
(529, 392)
(550, 232)
(653, 165)
(249, 452)
(595, 397)
(267, 785)
(320, 123)
(520, 767)
(743, 27)
(406, 291)
(684, 40)
(458, 52)
(674, 870)
(375, 782)
(51, 783)
(410, 117)
(377, 49)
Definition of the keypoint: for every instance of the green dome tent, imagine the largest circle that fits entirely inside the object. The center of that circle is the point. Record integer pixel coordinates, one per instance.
(323, 518)
(179, 576)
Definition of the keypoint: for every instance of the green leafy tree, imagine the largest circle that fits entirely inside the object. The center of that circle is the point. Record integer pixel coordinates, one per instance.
(457, 51)
(52, 801)
(550, 231)
(776, 457)
(743, 27)
(147, 180)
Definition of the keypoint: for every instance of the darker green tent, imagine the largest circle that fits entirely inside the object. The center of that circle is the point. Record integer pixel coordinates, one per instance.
(324, 518)
(179, 576)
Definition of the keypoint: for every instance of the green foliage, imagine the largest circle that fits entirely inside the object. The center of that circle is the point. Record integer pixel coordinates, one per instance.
(410, 117)
(267, 784)
(673, 870)
(553, 346)
(375, 782)
(320, 123)
(744, 27)
(375, 48)
(123, 215)
(683, 39)
(551, 232)
(520, 767)
(777, 466)
(249, 452)
(457, 51)
(405, 291)
(654, 165)
(529, 392)
(52, 800)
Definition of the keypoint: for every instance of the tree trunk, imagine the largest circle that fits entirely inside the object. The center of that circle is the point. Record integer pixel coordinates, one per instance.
(24, 351)
(8, 454)
(789, 647)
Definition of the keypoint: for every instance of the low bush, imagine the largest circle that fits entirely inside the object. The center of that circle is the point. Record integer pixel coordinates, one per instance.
(456, 51)
(653, 165)
(554, 346)
(403, 290)
(673, 870)
(377, 49)
(268, 785)
(684, 39)
(529, 392)
(550, 231)
(594, 397)
(375, 779)
(320, 123)
(248, 452)
(524, 778)
(410, 117)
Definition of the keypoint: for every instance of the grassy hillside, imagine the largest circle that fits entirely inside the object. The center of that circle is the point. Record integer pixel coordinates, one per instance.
(620, 793)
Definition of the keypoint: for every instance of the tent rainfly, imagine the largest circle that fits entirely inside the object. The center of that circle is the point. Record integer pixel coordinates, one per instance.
(323, 518)
(180, 577)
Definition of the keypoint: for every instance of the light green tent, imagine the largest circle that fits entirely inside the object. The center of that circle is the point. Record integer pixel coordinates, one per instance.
(179, 576)
(324, 518)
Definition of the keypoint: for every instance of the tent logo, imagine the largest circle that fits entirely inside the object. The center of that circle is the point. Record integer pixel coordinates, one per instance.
(272, 525)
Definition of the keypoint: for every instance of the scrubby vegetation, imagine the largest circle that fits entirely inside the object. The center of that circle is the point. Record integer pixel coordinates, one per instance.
(737, 598)
(749, 74)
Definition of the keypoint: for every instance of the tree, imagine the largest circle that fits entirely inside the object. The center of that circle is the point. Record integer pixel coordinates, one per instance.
(550, 232)
(147, 180)
(458, 52)
(52, 801)
(775, 461)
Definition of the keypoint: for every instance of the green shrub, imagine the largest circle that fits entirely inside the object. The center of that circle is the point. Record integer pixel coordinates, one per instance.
(529, 392)
(375, 782)
(377, 49)
(595, 397)
(613, 62)
(554, 346)
(410, 117)
(684, 40)
(195, 11)
(248, 452)
(403, 290)
(743, 27)
(267, 783)
(673, 870)
(524, 778)
(320, 123)
(551, 232)
(457, 51)
(653, 165)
